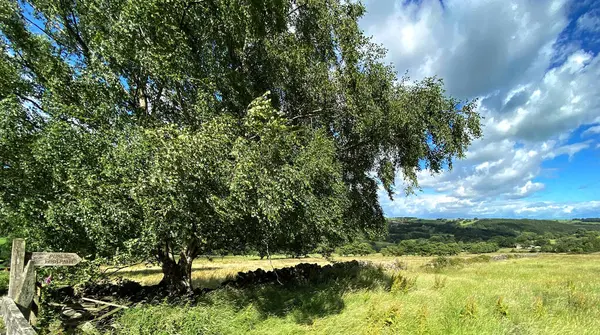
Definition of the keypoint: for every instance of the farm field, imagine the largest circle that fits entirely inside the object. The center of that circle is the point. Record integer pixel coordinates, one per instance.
(547, 294)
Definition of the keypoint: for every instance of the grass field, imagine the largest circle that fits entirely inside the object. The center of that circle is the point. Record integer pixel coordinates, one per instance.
(211, 273)
(549, 294)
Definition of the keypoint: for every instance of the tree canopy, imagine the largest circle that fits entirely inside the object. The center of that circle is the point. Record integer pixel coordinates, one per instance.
(168, 129)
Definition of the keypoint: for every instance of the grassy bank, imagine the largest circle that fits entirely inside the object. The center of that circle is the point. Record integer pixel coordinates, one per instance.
(549, 294)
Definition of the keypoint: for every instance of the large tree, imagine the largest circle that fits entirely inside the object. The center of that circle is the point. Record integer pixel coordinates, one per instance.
(169, 129)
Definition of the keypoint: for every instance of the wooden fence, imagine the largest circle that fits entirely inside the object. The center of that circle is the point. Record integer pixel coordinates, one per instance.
(17, 308)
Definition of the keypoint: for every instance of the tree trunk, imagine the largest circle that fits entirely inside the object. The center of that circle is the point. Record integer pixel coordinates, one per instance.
(177, 276)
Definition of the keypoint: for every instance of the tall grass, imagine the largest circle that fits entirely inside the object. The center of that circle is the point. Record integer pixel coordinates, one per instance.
(550, 294)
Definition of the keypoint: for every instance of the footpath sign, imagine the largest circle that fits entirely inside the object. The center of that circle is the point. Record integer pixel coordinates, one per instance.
(54, 259)
(21, 285)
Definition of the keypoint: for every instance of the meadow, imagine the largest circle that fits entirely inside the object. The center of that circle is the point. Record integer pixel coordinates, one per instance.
(547, 294)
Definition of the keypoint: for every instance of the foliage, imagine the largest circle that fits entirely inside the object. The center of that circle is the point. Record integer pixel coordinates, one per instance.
(356, 249)
(422, 248)
(5, 250)
(438, 237)
(501, 307)
(481, 247)
(504, 232)
(443, 262)
(4, 277)
(439, 282)
(585, 243)
(134, 127)
(324, 250)
(432, 247)
(403, 284)
(471, 308)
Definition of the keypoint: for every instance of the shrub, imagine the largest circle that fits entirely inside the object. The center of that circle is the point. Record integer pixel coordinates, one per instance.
(482, 247)
(479, 259)
(400, 265)
(5, 247)
(4, 275)
(356, 249)
(392, 251)
(501, 307)
(402, 283)
(422, 319)
(422, 247)
(539, 309)
(439, 282)
(324, 250)
(579, 300)
(470, 309)
(444, 262)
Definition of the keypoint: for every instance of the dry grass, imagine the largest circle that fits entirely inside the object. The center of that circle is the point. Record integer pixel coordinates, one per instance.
(211, 273)
(549, 294)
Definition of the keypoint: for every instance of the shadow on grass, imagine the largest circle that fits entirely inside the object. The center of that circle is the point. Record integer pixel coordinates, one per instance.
(304, 298)
(302, 293)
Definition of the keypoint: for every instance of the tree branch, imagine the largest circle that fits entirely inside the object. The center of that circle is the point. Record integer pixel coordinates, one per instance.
(73, 29)
(29, 65)
(40, 28)
(33, 102)
(311, 114)
(296, 9)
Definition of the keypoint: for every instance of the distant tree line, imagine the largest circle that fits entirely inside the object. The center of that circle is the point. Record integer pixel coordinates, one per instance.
(436, 237)
(411, 236)
(588, 220)
(422, 247)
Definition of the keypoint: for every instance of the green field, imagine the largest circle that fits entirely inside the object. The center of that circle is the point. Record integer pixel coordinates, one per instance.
(548, 294)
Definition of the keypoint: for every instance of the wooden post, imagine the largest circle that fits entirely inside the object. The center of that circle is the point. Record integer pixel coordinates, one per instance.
(17, 263)
(22, 282)
(26, 291)
(14, 322)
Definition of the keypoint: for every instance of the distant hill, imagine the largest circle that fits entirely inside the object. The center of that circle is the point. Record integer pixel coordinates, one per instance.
(483, 229)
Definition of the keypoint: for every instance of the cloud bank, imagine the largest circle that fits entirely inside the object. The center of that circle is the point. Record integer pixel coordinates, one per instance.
(535, 68)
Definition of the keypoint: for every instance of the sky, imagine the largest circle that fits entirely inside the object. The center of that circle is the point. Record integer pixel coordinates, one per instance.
(535, 69)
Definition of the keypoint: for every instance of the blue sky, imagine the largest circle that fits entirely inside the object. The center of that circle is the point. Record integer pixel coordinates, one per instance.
(535, 68)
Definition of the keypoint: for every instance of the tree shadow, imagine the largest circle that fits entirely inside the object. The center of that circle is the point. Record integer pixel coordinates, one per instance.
(306, 299)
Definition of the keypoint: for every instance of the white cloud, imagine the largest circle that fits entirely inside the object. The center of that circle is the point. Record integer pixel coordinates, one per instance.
(570, 149)
(536, 87)
(591, 130)
(589, 22)
(528, 188)
(498, 170)
(563, 100)
(438, 205)
(477, 47)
